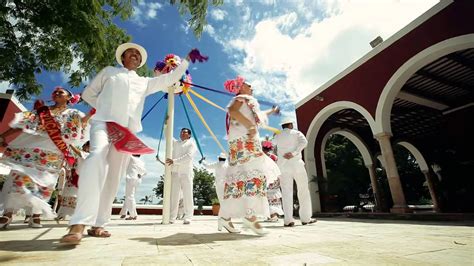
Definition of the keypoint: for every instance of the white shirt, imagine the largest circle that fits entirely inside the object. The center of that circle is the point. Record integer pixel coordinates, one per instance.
(135, 167)
(290, 140)
(118, 94)
(183, 153)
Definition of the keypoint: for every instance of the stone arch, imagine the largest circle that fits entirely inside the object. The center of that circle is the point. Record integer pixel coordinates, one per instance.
(354, 138)
(366, 156)
(424, 167)
(314, 129)
(400, 77)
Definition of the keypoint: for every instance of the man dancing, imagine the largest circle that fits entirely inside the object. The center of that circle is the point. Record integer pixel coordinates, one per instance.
(118, 95)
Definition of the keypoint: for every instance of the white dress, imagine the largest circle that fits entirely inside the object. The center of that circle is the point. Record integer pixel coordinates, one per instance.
(35, 161)
(250, 170)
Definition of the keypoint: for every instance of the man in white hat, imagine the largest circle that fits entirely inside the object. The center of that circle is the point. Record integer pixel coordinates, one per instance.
(289, 144)
(219, 168)
(118, 95)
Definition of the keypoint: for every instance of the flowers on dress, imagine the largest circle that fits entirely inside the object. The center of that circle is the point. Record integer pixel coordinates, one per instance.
(243, 150)
(255, 186)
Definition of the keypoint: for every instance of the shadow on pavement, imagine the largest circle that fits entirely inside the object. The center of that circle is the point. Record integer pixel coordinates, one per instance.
(31, 245)
(182, 239)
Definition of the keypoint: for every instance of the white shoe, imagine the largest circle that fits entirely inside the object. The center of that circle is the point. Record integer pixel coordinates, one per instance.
(253, 226)
(186, 221)
(227, 225)
(32, 223)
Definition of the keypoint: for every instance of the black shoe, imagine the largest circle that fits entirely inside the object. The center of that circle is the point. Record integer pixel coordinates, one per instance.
(312, 221)
(292, 224)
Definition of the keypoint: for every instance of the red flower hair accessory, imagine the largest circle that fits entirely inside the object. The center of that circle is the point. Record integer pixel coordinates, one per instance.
(234, 85)
(75, 99)
(267, 144)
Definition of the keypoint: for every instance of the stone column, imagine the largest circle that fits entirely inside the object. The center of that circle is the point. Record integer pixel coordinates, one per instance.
(375, 186)
(396, 189)
(431, 187)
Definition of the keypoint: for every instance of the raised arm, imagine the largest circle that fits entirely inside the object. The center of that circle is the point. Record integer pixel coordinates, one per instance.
(234, 112)
(162, 82)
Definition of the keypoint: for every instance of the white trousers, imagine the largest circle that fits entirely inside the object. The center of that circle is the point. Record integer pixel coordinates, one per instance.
(295, 170)
(99, 179)
(130, 204)
(184, 182)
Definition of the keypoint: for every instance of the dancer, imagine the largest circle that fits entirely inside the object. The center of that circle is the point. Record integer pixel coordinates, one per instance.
(249, 171)
(274, 192)
(135, 172)
(68, 194)
(37, 154)
(220, 169)
(289, 143)
(182, 175)
(118, 94)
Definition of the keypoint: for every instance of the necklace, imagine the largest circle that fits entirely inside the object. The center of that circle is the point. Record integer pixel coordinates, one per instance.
(58, 110)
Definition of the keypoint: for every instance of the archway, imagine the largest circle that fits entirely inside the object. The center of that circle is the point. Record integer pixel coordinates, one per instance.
(365, 154)
(312, 135)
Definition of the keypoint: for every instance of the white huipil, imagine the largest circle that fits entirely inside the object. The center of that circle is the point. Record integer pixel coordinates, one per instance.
(291, 140)
(135, 172)
(118, 95)
(219, 168)
(182, 177)
(250, 170)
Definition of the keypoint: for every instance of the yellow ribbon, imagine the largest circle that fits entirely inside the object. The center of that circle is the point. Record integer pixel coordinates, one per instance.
(272, 129)
(206, 100)
(203, 121)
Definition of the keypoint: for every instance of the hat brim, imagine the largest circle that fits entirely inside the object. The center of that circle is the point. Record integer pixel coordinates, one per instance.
(124, 47)
(287, 122)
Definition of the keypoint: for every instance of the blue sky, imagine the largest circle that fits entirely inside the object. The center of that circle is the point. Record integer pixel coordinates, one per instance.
(285, 49)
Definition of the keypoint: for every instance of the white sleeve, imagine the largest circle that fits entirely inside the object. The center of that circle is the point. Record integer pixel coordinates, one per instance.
(162, 82)
(92, 91)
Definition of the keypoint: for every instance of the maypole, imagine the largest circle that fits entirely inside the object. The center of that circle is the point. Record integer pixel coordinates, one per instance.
(168, 154)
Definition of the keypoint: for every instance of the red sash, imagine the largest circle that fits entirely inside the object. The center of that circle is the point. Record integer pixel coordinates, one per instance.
(51, 127)
(125, 141)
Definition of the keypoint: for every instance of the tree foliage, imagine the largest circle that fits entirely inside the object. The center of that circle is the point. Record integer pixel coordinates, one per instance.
(38, 35)
(347, 174)
(197, 10)
(76, 37)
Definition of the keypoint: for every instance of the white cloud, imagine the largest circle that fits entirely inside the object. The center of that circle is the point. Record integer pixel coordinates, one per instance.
(218, 14)
(145, 11)
(287, 58)
(4, 86)
(210, 30)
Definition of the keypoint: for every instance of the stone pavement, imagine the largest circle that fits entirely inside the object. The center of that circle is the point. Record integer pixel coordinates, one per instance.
(329, 241)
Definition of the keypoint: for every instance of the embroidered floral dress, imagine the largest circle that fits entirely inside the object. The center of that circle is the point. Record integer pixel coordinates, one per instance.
(35, 161)
(250, 170)
(274, 193)
(69, 188)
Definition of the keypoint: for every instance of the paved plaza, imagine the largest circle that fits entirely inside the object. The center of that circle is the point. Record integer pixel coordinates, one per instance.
(329, 241)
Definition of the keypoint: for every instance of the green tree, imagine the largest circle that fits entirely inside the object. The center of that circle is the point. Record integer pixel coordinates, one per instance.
(347, 174)
(203, 186)
(39, 35)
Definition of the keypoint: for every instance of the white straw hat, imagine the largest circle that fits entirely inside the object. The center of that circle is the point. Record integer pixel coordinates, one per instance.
(124, 46)
(287, 121)
(222, 155)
